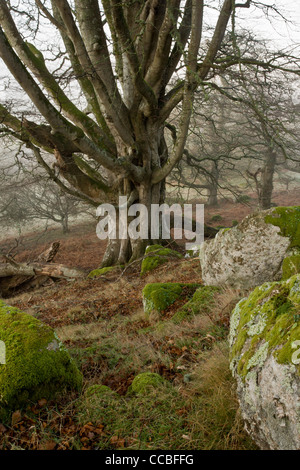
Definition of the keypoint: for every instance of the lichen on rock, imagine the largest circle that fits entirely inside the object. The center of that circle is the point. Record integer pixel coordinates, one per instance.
(252, 252)
(37, 364)
(156, 255)
(264, 329)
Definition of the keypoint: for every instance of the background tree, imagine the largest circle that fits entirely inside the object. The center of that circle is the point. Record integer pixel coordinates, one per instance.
(27, 193)
(120, 58)
(244, 128)
(41, 200)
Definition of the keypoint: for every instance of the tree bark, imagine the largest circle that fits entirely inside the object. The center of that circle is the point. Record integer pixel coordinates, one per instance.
(128, 250)
(265, 195)
(213, 185)
(122, 251)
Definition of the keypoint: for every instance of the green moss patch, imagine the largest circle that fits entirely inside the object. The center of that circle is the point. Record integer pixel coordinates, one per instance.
(201, 302)
(158, 414)
(143, 421)
(142, 382)
(290, 266)
(37, 364)
(102, 271)
(156, 255)
(265, 323)
(288, 219)
(98, 391)
(159, 296)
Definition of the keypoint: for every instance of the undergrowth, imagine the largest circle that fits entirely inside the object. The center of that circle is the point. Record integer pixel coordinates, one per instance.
(193, 407)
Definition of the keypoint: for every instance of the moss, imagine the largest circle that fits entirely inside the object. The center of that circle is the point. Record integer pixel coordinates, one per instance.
(159, 296)
(38, 54)
(93, 174)
(290, 266)
(264, 324)
(259, 357)
(288, 219)
(149, 419)
(201, 302)
(101, 271)
(192, 253)
(98, 391)
(142, 382)
(238, 345)
(100, 404)
(156, 255)
(37, 364)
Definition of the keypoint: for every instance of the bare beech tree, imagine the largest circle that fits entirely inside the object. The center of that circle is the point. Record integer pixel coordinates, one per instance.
(124, 56)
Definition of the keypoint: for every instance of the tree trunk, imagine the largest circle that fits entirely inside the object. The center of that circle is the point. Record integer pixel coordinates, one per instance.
(212, 196)
(65, 224)
(120, 252)
(265, 195)
(48, 255)
(152, 148)
(123, 251)
(213, 186)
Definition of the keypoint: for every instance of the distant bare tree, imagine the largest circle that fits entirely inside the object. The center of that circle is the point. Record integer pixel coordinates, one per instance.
(246, 125)
(39, 199)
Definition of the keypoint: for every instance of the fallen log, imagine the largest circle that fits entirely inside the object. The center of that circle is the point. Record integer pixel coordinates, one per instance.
(12, 268)
(16, 276)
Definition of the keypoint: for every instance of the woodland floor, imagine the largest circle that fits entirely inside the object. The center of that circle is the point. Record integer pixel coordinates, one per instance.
(102, 323)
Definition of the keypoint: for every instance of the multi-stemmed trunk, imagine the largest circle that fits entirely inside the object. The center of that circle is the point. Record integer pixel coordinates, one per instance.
(120, 251)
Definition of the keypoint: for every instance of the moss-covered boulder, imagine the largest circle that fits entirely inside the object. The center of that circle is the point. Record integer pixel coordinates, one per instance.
(157, 297)
(265, 359)
(36, 363)
(252, 252)
(156, 255)
(144, 381)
